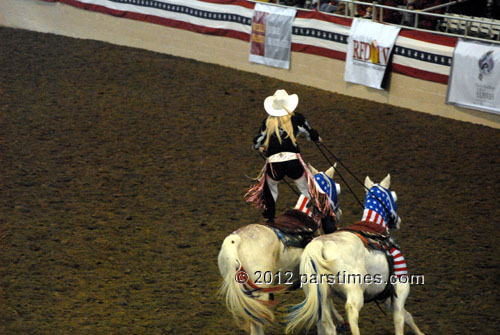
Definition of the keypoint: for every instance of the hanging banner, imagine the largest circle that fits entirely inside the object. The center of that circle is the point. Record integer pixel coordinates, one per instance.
(368, 52)
(271, 37)
(474, 81)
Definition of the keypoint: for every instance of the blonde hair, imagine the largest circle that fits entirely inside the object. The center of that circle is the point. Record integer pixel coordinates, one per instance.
(273, 124)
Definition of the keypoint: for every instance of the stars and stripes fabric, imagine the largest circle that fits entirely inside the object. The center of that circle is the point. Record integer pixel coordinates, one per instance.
(400, 268)
(372, 216)
(379, 206)
(302, 206)
(329, 187)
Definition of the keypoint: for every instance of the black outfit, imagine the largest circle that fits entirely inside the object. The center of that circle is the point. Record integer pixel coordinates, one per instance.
(300, 125)
(278, 170)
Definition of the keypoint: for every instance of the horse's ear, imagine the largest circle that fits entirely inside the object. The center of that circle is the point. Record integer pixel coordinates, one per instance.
(368, 182)
(313, 170)
(331, 171)
(386, 182)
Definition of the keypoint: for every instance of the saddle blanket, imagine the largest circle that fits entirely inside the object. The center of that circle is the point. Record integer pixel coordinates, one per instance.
(376, 237)
(294, 228)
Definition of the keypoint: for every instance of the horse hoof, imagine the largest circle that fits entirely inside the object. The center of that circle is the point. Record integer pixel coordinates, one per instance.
(343, 328)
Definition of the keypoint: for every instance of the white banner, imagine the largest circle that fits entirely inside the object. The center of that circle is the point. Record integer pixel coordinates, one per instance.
(271, 38)
(474, 81)
(368, 52)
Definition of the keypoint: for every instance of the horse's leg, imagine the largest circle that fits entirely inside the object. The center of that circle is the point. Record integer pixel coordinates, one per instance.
(342, 326)
(409, 321)
(400, 314)
(398, 306)
(353, 305)
(325, 325)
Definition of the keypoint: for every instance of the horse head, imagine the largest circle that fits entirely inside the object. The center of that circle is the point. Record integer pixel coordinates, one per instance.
(326, 185)
(380, 203)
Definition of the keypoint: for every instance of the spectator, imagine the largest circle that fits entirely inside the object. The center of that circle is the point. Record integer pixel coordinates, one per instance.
(295, 3)
(364, 11)
(341, 9)
(408, 19)
(427, 21)
(383, 15)
(368, 13)
(328, 6)
(390, 16)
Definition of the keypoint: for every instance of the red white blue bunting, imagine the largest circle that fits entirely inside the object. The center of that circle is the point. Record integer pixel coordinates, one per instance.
(418, 54)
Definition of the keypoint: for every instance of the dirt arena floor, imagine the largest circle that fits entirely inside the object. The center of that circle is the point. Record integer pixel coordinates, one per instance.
(122, 171)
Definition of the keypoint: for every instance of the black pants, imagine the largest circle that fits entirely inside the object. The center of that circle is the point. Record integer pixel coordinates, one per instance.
(277, 171)
(292, 169)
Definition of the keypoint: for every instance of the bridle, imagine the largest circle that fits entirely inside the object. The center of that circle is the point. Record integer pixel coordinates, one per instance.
(392, 216)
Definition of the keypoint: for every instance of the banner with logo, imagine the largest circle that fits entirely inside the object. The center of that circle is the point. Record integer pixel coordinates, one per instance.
(368, 52)
(271, 37)
(474, 81)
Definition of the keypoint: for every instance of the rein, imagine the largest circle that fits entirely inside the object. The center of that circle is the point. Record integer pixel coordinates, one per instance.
(337, 172)
(390, 222)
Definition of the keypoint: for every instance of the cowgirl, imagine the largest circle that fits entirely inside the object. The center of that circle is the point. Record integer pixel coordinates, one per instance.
(277, 141)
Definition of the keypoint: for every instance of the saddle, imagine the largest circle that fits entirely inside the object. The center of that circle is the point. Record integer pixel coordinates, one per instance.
(376, 237)
(294, 228)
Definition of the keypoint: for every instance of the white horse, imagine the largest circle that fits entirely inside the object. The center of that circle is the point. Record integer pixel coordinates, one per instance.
(340, 263)
(255, 263)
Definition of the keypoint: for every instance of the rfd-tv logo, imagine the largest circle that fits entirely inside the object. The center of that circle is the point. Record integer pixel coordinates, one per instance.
(371, 52)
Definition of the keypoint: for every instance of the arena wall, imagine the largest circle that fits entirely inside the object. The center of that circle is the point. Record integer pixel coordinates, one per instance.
(316, 71)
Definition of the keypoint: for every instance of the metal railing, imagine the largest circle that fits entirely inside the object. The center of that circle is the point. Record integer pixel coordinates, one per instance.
(444, 24)
(461, 25)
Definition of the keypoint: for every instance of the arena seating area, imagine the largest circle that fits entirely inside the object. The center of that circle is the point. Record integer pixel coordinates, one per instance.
(462, 25)
(442, 19)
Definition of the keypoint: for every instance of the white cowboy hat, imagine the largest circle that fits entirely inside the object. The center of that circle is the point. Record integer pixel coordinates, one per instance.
(281, 104)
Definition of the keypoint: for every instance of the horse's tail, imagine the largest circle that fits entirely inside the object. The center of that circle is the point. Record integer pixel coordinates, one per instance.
(314, 278)
(246, 309)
